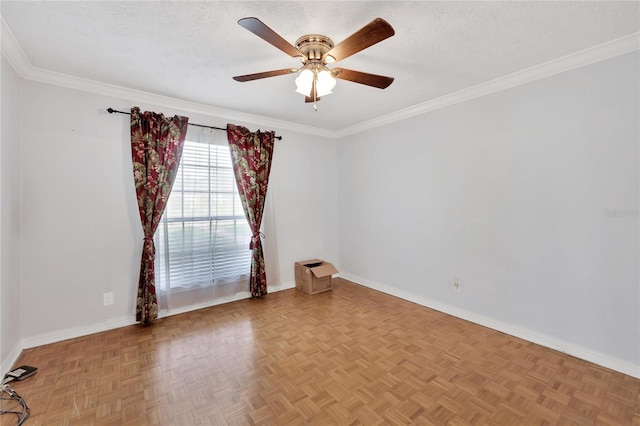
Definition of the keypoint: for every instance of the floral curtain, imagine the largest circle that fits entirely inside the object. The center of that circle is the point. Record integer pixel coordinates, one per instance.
(251, 155)
(156, 147)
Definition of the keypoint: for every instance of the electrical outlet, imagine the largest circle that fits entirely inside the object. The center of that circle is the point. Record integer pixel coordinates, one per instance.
(457, 285)
(107, 298)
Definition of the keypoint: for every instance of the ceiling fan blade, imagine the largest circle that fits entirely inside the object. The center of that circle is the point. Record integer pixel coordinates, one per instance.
(372, 33)
(265, 74)
(379, 81)
(258, 27)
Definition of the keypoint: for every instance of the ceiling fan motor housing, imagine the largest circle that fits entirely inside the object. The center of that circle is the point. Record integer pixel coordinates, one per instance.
(314, 47)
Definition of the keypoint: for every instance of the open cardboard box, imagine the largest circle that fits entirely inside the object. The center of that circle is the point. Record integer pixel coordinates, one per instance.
(314, 275)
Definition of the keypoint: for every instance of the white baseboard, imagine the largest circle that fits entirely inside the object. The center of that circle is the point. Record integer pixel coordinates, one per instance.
(9, 361)
(238, 296)
(541, 339)
(283, 286)
(72, 333)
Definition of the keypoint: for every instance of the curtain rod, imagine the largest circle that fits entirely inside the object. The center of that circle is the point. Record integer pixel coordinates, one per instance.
(111, 111)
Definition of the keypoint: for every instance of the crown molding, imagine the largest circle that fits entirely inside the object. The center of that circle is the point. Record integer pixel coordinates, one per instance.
(578, 59)
(71, 82)
(16, 56)
(12, 50)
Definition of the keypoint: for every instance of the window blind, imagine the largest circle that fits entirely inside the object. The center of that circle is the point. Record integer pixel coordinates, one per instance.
(203, 238)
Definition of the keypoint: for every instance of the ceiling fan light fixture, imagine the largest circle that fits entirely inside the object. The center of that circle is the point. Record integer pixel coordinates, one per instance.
(314, 74)
(304, 82)
(324, 82)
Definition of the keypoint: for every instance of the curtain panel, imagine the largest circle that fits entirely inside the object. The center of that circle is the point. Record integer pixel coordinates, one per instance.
(251, 155)
(156, 148)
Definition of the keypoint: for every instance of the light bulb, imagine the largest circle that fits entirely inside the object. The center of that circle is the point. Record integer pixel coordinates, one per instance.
(325, 83)
(304, 82)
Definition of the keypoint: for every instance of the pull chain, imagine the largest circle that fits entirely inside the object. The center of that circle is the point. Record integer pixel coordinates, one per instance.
(315, 91)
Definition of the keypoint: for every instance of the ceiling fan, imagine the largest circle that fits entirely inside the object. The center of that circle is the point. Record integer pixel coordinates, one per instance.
(315, 51)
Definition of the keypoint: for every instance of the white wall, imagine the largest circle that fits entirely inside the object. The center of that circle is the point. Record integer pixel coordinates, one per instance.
(10, 211)
(82, 235)
(511, 193)
(507, 192)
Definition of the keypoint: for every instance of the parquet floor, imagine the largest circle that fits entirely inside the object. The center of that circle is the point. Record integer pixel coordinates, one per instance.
(351, 356)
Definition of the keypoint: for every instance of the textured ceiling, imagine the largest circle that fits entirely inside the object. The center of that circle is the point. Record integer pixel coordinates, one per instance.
(191, 50)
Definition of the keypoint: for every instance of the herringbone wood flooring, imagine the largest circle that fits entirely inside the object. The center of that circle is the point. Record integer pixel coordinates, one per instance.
(350, 356)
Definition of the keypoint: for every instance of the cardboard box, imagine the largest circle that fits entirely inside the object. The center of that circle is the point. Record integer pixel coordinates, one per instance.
(314, 275)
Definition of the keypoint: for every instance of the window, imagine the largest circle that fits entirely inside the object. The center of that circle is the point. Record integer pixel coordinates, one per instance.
(203, 237)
